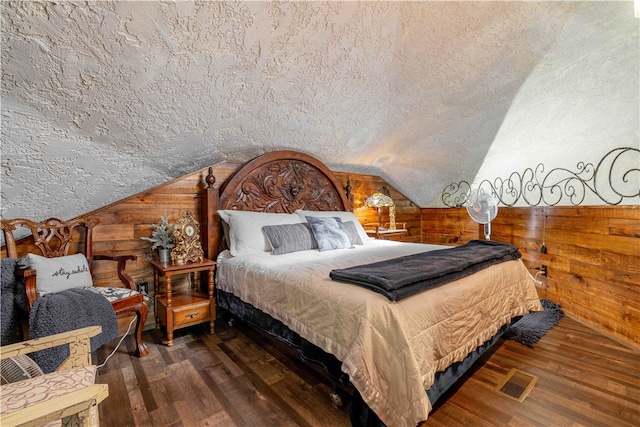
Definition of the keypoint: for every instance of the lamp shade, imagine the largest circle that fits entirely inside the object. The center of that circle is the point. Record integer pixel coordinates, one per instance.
(378, 200)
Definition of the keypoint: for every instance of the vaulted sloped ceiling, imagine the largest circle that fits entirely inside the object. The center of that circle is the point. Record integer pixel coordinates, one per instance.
(102, 100)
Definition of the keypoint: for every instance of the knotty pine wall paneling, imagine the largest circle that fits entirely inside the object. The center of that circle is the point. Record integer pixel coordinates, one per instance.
(593, 256)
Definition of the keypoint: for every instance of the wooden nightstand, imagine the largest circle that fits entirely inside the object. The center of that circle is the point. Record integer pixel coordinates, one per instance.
(397, 234)
(175, 310)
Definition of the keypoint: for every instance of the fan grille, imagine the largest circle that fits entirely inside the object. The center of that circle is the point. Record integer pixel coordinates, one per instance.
(18, 368)
(481, 206)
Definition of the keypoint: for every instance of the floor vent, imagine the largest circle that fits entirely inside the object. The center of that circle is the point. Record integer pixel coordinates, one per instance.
(517, 385)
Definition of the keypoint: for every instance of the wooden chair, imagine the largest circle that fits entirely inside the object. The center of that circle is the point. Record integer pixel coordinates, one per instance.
(55, 238)
(69, 393)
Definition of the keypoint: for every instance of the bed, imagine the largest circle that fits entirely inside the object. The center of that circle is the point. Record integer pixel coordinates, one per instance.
(266, 227)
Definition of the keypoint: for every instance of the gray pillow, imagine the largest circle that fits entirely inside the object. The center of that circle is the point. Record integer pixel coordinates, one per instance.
(352, 233)
(329, 233)
(287, 238)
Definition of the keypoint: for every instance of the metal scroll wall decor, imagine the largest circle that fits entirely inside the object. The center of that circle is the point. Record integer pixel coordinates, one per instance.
(611, 181)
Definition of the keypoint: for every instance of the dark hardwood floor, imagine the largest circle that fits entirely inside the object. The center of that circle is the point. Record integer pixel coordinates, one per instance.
(240, 377)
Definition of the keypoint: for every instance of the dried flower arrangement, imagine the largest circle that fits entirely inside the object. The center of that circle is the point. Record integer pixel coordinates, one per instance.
(162, 236)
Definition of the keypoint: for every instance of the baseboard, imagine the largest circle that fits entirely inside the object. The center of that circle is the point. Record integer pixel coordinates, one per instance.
(629, 345)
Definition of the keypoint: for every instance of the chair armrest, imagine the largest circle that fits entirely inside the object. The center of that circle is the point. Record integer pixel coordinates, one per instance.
(114, 257)
(126, 280)
(78, 341)
(30, 287)
(57, 407)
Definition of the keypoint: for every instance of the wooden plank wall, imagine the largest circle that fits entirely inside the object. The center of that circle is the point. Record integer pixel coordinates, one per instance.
(122, 224)
(593, 256)
(449, 226)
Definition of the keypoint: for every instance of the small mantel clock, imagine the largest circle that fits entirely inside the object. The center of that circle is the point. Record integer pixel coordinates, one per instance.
(186, 235)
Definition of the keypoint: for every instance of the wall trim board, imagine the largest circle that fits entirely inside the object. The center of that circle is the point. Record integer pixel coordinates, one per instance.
(631, 346)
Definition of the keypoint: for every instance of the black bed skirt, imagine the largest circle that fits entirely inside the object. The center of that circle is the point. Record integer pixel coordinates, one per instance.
(361, 415)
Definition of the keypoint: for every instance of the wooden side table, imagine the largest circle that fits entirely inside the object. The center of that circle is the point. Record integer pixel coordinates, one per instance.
(175, 310)
(397, 234)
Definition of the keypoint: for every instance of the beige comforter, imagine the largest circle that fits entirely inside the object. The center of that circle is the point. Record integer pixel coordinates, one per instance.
(391, 351)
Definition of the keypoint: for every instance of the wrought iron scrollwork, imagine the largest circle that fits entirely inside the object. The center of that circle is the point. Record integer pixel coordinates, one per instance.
(611, 181)
(455, 195)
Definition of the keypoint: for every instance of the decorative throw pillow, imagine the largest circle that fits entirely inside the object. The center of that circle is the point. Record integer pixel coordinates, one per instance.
(352, 232)
(245, 229)
(329, 233)
(60, 273)
(344, 217)
(290, 238)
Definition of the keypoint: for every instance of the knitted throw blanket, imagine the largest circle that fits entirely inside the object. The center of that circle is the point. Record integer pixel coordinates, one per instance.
(65, 311)
(9, 310)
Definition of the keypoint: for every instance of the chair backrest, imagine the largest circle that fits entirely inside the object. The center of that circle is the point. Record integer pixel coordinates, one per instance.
(52, 236)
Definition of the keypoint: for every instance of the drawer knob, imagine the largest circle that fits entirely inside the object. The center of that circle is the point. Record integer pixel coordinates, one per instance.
(192, 315)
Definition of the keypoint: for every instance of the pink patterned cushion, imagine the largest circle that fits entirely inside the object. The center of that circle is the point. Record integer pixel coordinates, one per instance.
(40, 389)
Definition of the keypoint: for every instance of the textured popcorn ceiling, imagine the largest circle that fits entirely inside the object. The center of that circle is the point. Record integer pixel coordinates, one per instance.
(102, 100)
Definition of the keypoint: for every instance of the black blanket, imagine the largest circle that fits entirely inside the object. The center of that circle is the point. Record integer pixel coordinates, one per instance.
(405, 276)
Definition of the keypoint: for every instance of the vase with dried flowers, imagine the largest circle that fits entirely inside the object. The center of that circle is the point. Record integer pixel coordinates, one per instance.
(162, 239)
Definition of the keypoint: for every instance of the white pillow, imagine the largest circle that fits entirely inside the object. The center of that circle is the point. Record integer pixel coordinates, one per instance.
(60, 273)
(344, 216)
(245, 229)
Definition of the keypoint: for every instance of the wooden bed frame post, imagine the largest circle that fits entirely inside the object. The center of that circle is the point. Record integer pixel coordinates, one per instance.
(211, 222)
(350, 198)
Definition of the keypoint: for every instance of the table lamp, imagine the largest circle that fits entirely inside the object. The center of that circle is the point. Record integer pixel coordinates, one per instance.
(378, 200)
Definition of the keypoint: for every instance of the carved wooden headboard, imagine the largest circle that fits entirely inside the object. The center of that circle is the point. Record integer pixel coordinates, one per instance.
(280, 182)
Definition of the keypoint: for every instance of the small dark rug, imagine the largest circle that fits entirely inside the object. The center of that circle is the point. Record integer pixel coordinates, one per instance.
(532, 326)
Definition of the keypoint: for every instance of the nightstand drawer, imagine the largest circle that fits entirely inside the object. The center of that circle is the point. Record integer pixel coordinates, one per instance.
(193, 313)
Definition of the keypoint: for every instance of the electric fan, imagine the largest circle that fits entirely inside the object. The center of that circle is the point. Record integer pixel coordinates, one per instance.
(18, 368)
(482, 208)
